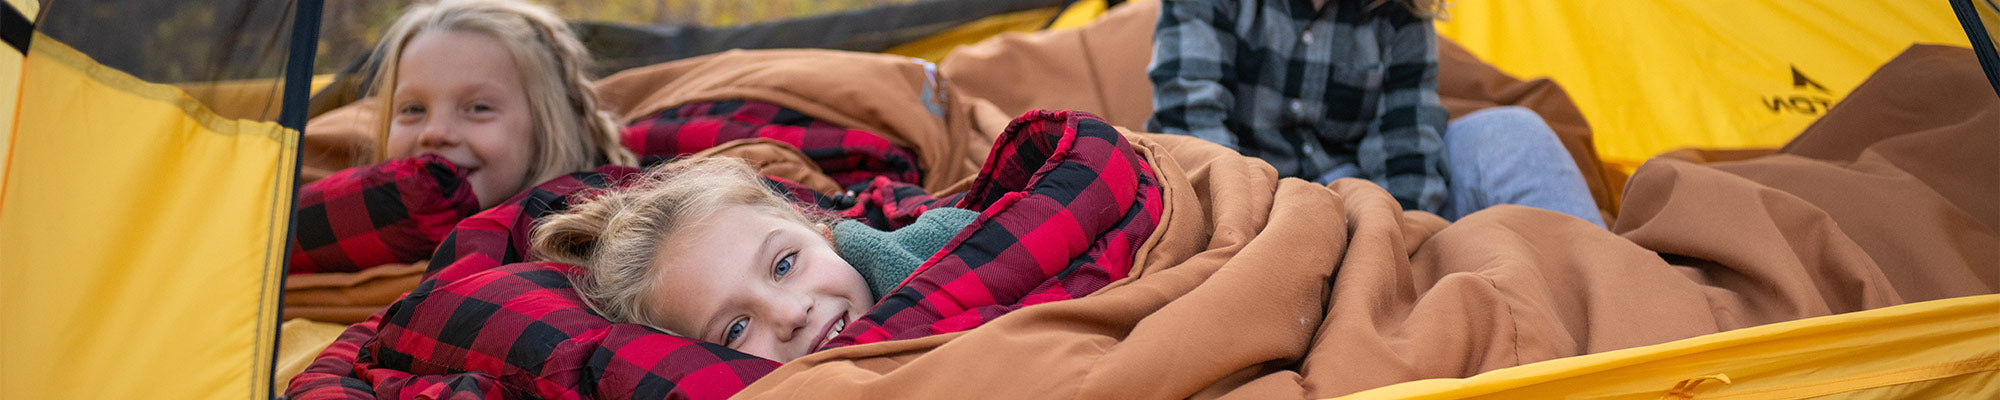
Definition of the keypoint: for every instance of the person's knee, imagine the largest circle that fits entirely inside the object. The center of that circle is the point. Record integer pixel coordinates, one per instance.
(1505, 123)
(1503, 139)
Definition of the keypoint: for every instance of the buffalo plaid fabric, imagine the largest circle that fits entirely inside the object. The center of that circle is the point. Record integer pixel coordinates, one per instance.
(1065, 203)
(500, 236)
(880, 176)
(850, 157)
(516, 331)
(486, 325)
(393, 212)
(1307, 89)
(889, 205)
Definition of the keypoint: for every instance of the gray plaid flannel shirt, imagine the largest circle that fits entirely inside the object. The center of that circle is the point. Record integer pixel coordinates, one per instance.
(1306, 90)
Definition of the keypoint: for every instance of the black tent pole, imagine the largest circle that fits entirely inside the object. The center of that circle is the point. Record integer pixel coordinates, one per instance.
(298, 89)
(1982, 44)
(299, 64)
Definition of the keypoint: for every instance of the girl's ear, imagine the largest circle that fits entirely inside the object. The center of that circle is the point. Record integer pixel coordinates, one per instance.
(825, 231)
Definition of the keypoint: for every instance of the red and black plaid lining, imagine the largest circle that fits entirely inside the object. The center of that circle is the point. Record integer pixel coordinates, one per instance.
(1064, 201)
(881, 176)
(517, 331)
(487, 325)
(850, 157)
(393, 212)
(1064, 204)
(499, 236)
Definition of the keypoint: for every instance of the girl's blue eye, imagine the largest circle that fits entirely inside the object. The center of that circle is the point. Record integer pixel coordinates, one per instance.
(736, 329)
(784, 266)
(411, 109)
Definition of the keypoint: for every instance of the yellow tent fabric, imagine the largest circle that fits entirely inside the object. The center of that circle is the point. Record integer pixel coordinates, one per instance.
(10, 80)
(1656, 75)
(934, 48)
(28, 8)
(1080, 13)
(1942, 349)
(141, 238)
(299, 342)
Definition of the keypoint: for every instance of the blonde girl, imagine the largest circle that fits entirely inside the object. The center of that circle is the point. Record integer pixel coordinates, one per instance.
(497, 87)
(701, 249)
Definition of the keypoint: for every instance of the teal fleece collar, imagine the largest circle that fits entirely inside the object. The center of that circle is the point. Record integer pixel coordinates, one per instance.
(885, 259)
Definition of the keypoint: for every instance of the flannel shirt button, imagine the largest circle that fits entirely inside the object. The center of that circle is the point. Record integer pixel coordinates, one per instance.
(1298, 109)
(1306, 38)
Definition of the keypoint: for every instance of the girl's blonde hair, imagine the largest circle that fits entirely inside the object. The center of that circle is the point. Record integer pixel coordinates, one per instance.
(615, 234)
(572, 134)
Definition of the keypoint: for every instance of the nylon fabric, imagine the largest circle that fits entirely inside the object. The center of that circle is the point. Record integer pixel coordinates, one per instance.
(10, 90)
(1079, 14)
(1913, 348)
(141, 235)
(28, 8)
(935, 47)
(1652, 76)
(10, 84)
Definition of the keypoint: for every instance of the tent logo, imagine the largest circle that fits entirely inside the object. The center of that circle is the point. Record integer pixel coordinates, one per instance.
(1802, 100)
(1801, 82)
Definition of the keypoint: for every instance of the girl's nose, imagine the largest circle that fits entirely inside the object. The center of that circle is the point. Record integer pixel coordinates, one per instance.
(438, 133)
(788, 318)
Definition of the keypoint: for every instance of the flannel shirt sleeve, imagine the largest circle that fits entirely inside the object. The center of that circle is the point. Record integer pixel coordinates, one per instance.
(393, 212)
(1404, 149)
(1194, 57)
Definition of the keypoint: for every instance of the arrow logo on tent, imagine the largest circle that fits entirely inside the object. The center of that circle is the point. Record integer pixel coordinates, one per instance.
(1800, 81)
(1805, 104)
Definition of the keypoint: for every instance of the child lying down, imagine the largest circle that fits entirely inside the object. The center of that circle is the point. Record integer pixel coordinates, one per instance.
(701, 249)
(1240, 283)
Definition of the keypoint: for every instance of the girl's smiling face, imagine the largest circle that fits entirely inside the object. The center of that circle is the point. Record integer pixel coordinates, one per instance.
(759, 283)
(459, 95)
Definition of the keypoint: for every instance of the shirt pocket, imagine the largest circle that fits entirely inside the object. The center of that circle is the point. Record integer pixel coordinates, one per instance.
(1353, 94)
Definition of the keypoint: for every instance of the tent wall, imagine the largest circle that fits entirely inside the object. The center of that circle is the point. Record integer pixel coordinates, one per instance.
(1931, 350)
(142, 234)
(1653, 76)
(142, 239)
(22, 13)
